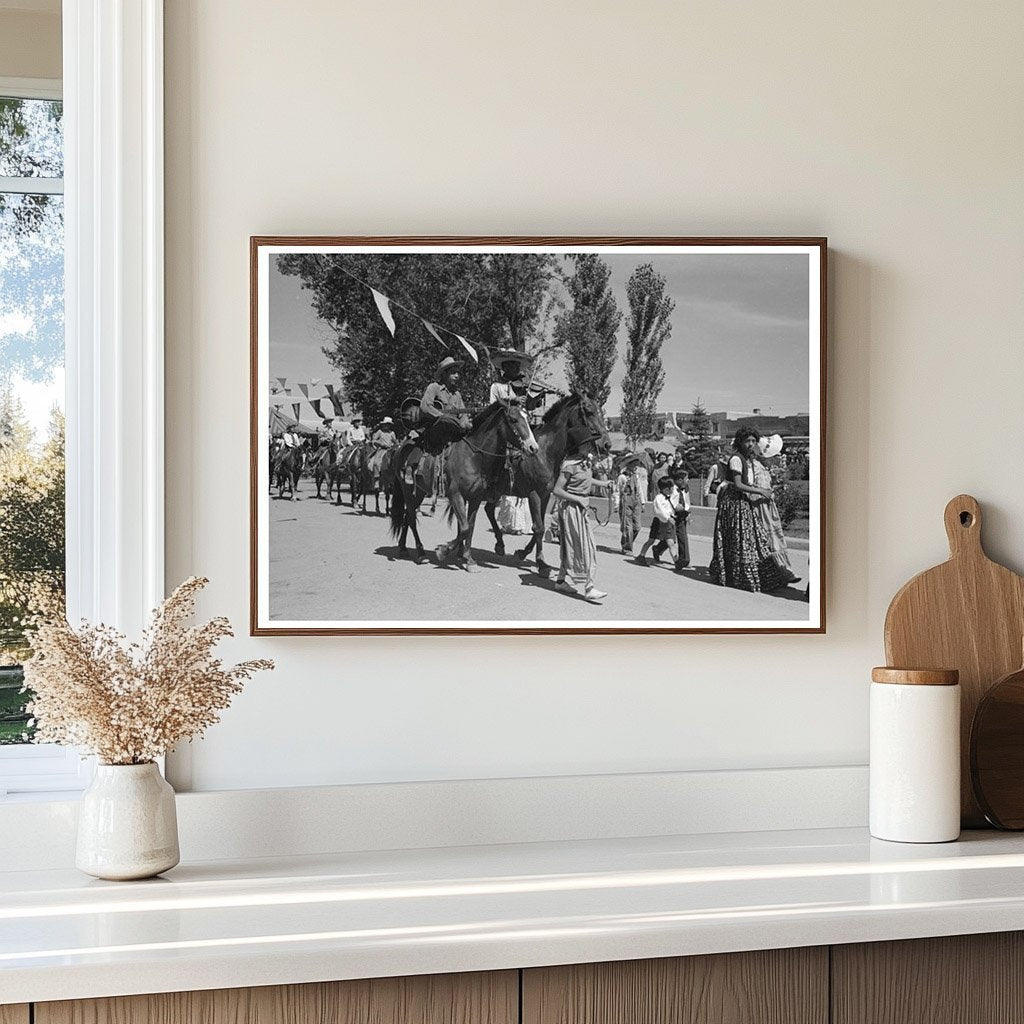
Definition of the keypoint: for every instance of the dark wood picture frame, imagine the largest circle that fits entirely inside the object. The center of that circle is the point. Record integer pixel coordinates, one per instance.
(257, 395)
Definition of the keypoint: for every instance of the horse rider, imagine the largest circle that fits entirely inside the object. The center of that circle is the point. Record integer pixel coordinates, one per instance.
(289, 439)
(384, 436)
(443, 416)
(353, 437)
(511, 384)
(356, 432)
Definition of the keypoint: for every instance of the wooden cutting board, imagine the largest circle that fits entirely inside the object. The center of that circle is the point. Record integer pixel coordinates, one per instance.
(967, 614)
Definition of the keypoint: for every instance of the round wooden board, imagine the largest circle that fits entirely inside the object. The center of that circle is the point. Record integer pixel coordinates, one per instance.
(997, 752)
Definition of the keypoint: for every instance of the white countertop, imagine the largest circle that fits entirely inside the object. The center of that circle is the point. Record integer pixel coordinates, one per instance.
(226, 924)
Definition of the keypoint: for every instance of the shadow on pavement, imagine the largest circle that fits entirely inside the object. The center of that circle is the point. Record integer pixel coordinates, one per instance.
(701, 575)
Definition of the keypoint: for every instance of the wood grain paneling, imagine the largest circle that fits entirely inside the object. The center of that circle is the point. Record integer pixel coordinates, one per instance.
(779, 986)
(14, 1014)
(483, 998)
(962, 979)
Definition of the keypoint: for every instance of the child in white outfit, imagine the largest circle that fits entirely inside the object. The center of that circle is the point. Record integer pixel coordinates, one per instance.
(663, 525)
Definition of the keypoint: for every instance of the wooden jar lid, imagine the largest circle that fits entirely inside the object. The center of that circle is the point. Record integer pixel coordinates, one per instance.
(916, 676)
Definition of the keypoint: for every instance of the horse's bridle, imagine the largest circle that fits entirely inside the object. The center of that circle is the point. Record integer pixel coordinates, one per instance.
(519, 445)
(592, 435)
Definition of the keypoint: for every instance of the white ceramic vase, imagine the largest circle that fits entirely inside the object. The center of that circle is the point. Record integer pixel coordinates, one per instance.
(127, 825)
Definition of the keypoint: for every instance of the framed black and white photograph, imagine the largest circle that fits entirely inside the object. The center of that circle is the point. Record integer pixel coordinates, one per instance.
(537, 435)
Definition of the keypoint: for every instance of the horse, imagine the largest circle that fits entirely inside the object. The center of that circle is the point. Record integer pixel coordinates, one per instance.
(373, 472)
(323, 463)
(573, 424)
(365, 475)
(289, 468)
(473, 468)
(356, 460)
(335, 472)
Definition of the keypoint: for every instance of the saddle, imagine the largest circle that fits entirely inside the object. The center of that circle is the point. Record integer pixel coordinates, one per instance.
(423, 464)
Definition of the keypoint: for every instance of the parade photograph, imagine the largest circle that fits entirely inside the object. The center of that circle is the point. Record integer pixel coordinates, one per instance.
(548, 435)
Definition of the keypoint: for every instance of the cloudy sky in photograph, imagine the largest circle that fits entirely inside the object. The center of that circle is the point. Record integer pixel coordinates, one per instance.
(739, 336)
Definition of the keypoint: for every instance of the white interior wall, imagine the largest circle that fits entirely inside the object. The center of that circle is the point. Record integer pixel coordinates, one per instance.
(894, 129)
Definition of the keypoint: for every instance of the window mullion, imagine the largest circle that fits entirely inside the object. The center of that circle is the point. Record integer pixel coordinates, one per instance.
(32, 186)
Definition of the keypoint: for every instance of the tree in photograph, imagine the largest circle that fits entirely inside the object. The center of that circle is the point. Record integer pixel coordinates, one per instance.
(379, 371)
(492, 301)
(519, 284)
(701, 452)
(526, 304)
(587, 332)
(648, 325)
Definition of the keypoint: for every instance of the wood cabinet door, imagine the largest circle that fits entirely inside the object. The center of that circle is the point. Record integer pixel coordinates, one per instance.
(960, 979)
(777, 986)
(14, 1014)
(481, 998)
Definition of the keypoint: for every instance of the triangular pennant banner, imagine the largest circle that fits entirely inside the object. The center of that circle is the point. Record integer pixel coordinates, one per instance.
(283, 381)
(469, 348)
(433, 330)
(335, 400)
(295, 407)
(304, 388)
(316, 407)
(384, 308)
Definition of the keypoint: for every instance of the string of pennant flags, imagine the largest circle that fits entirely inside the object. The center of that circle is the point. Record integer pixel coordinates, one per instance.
(384, 303)
(325, 399)
(288, 395)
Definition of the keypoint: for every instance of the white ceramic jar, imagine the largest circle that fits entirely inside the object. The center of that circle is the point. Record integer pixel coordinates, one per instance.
(915, 755)
(127, 823)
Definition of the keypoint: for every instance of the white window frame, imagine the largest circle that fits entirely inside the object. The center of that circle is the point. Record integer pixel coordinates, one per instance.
(114, 346)
(40, 767)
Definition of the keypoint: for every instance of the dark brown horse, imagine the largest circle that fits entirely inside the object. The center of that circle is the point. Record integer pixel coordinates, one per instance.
(473, 470)
(357, 459)
(323, 463)
(371, 471)
(289, 469)
(574, 424)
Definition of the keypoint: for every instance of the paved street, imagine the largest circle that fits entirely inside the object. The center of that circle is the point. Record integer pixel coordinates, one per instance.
(334, 563)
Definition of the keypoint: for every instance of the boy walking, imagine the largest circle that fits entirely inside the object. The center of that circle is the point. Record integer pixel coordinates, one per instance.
(679, 498)
(663, 526)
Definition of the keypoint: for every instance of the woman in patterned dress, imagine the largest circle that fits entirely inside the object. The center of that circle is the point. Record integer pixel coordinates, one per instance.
(765, 508)
(742, 553)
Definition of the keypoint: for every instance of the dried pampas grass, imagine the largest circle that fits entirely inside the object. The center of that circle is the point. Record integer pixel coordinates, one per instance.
(130, 703)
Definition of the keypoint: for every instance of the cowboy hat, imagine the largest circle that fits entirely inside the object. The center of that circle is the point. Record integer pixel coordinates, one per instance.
(629, 460)
(505, 356)
(447, 363)
(387, 419)
(770, 446)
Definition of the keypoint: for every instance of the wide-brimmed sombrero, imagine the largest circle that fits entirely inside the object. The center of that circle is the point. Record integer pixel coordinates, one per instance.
(523, 362)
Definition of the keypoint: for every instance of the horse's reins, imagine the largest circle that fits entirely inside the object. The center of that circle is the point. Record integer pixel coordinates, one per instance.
(520, 445)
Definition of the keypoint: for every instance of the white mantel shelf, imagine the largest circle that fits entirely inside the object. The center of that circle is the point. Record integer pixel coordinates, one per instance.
(226, 924)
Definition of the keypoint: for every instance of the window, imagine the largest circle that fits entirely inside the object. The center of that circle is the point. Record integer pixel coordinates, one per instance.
(112, 212)
(32, 531)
